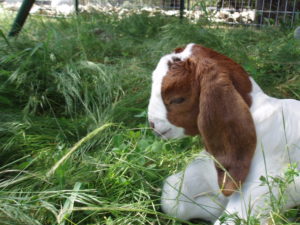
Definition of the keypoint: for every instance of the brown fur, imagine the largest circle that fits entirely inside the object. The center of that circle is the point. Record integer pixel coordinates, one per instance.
(216, 92)
(178, 50)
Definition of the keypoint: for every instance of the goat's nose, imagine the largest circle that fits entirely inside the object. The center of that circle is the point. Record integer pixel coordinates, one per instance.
(151, 124)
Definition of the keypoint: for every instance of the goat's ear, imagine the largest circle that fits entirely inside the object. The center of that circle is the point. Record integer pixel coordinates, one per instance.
(226, 126)
(179, 50)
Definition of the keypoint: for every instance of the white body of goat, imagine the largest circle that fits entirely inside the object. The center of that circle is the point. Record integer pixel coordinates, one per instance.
(194, 193)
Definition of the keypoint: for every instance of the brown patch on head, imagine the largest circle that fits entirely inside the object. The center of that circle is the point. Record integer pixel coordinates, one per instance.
(179, 50)
(209, 93)
(180, 95)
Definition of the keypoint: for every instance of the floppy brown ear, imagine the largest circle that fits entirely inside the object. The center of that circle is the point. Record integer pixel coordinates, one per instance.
(226, 125)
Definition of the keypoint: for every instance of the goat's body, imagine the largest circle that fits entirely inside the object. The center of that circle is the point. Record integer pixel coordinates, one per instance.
(251, 135)
(193, 194)
(277, 123)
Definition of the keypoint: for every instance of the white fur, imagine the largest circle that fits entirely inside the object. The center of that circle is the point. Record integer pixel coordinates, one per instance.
(195, 192)
(157, 112)
(277, 124)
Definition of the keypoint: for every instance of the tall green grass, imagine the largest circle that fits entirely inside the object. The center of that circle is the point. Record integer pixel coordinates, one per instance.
(63, 79)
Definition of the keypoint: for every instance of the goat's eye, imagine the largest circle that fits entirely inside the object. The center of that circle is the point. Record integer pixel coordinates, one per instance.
(177, 100)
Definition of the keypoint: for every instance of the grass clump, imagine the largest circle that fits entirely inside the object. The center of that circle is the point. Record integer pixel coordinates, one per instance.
(63, 79)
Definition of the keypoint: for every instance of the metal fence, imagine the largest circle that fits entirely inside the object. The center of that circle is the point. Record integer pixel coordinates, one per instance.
(266, 12)
(248, 12)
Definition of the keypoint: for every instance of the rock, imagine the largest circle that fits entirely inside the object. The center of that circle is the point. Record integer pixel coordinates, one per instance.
(238, 17)
(57, 3)
(223, 15)
(230, 20)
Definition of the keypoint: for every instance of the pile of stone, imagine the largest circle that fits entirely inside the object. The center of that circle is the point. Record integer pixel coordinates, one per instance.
(66, 7)
(223, 15)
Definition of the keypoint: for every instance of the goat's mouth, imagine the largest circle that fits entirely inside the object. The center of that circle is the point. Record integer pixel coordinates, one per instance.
(161, 134)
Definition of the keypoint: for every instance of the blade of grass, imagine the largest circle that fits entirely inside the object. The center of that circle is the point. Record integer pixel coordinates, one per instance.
(76, 146)
(5, 38)
(67, 209)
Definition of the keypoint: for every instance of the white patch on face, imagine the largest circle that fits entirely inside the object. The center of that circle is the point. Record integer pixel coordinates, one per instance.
(157, 112)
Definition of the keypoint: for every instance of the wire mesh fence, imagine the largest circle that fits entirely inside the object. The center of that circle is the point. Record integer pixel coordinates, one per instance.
(249, 12)
(266, 12)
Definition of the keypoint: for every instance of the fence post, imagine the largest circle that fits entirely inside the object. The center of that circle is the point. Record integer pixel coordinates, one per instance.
(297, 33)
(21, 17)
(77, 6)
(181, 8)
